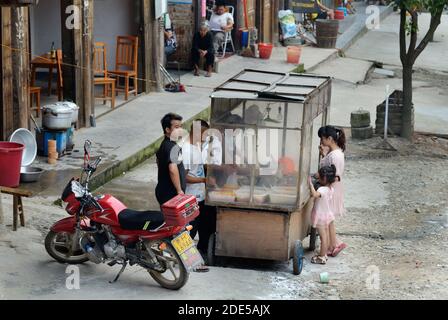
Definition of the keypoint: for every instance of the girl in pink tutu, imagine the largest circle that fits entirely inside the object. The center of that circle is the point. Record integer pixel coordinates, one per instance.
(333, 140)
(322, 216)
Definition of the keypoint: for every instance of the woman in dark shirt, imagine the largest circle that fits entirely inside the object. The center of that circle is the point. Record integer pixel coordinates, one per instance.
(203, 47)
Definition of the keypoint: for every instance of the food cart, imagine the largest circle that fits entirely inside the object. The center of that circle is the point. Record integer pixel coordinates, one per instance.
(267, 125)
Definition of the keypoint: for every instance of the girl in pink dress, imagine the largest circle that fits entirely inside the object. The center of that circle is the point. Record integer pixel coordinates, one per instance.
(333, 139)
(322, 216)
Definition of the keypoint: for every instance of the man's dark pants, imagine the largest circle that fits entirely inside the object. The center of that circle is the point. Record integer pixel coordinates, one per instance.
(204, 224)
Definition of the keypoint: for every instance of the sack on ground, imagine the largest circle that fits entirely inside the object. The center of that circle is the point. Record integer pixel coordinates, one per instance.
(287, 23)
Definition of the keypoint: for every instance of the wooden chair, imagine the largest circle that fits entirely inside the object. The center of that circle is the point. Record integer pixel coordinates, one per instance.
(126, 64)
(101, 74)
(35, 93)
(60, 81)
(17, 194)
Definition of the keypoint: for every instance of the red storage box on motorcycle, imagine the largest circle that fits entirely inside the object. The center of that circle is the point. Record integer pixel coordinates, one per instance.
(180, 210)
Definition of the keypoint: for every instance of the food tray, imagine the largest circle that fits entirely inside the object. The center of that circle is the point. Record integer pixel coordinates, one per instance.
(283, 199)
(242, 195)
(260, 198)
(284, 190)
(221, 196)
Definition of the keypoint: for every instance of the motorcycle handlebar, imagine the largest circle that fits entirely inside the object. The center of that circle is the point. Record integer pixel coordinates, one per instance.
(91, 168)
(89, 199)
(96, 204)
(97, 162)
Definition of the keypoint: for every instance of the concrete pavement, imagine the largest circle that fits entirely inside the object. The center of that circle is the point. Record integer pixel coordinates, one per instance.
(383, 44)
(407, 246)
(353, 27)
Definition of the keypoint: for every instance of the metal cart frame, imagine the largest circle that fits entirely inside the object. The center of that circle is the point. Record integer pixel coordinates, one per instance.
(265, 231)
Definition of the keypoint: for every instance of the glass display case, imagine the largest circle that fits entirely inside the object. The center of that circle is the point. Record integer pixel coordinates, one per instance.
(265, 122)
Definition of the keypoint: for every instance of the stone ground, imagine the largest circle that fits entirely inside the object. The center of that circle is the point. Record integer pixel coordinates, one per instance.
(395, 227)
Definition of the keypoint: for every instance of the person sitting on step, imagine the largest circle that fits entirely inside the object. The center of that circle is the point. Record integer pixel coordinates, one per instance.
(203, 48)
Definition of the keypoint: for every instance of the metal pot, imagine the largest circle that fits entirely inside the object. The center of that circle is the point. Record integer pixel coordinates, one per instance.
(74, 108)
(30, 174)
(57, 117)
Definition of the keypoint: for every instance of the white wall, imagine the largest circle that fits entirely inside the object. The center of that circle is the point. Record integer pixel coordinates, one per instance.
(45, 26)
(113, 18)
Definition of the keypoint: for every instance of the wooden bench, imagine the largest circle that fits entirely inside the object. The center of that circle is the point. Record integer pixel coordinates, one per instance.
(17, 194)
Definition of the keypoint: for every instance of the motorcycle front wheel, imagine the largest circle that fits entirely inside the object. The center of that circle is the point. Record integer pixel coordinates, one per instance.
(59, 247)
(174, 276)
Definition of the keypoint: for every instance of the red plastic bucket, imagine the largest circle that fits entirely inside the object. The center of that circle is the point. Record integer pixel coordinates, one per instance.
(339, 14)
(265, 50)
(10, 163)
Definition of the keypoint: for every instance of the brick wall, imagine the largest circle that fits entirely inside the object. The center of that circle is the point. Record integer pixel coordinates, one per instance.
(183, 18)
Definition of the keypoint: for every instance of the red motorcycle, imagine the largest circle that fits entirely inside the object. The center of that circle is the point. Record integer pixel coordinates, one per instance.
(101, 229)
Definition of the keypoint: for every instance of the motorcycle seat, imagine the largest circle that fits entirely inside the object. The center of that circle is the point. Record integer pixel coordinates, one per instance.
(140, 220)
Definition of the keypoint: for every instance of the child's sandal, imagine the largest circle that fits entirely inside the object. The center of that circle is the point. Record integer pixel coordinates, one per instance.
(319, 260)
(338, 249)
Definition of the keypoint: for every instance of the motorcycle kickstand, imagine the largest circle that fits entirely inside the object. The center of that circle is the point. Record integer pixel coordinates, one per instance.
(120, 272)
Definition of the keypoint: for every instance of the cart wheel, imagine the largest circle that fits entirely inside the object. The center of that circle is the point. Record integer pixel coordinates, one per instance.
(211, 250)
(298, 258)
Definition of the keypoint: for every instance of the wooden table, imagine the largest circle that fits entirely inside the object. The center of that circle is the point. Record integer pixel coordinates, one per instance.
(44, 61)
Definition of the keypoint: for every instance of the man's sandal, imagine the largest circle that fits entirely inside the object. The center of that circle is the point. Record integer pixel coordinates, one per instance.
(202, 269)
(319, 260)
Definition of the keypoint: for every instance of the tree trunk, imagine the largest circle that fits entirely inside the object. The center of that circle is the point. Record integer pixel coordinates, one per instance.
(407, 129)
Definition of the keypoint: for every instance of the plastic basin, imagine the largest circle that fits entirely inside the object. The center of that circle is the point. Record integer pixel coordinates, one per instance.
(25, 137)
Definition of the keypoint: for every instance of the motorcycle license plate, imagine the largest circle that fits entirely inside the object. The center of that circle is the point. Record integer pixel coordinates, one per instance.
(189, 254)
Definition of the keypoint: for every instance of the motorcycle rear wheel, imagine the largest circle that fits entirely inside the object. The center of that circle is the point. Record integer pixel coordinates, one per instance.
(58, 246)
(175, 262)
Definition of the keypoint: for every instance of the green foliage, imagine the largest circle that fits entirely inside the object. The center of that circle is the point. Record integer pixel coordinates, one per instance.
(410, 27)
(432, 6)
